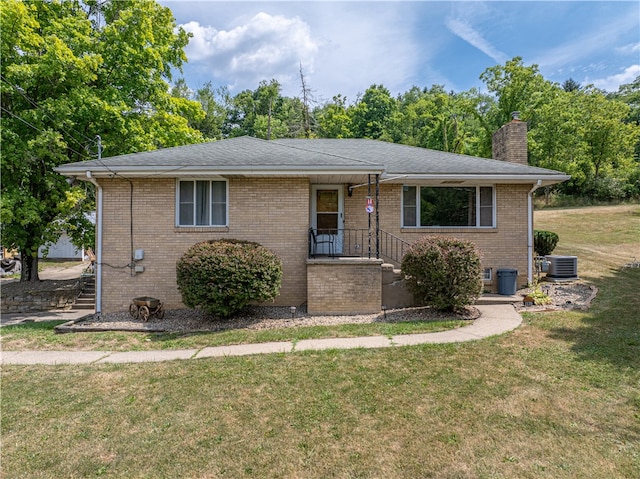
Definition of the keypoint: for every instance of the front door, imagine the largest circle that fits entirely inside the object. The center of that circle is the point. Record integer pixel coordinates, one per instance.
(327, 216)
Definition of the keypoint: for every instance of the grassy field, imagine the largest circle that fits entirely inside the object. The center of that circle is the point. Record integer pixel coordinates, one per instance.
(557, 398)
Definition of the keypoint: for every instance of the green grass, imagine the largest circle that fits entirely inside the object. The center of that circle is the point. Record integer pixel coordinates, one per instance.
(557, 398)
(41, 336)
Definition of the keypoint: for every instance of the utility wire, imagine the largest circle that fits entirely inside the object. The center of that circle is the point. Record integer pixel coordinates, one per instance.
(81, 155)
(96, 140)
(35, 105)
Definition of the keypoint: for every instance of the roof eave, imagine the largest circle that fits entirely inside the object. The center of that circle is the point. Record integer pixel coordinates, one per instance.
(493, 178)
(168, 172)
(82, 172)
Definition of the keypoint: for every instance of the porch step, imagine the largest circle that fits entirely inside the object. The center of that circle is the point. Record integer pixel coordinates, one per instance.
(491, 298)
(87, 299)
(79, 307)
(390, 273)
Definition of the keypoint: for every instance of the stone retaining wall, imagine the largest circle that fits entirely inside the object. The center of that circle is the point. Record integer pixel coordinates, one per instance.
(62, 295)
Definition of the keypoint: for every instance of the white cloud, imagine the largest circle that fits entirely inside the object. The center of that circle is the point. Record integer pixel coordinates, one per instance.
(363, 47)
(602, 39)
(629, 49)
(263, 48)
(464, 30)
(343, 48)
(613, 82)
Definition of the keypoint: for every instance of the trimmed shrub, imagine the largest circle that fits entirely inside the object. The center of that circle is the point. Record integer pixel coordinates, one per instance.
(544, 242)
(224, 276)
(443, 272)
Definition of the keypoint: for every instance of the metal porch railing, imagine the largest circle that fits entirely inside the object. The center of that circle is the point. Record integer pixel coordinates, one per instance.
(360, 243)
(392, 248)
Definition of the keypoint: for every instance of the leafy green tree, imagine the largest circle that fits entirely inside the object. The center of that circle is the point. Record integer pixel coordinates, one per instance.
(333, 119)
(571, 85)
(371, 114)
(585, 135)
(205, 108)
(516, 87)
(241, 115)
(71, 71)
(265, 113)
(258, 113)
(436, 119)
(630, 94)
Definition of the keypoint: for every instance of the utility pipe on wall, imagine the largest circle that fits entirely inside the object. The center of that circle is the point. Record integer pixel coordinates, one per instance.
(98, 271)
(530, 231)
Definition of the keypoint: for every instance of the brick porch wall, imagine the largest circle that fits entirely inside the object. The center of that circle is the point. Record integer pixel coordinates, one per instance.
(502, 247)
(272, 212)
(344, 286)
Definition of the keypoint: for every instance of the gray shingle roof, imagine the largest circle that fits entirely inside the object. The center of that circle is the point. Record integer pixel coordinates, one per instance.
(235, 153)
(245, 155)
(410, 160)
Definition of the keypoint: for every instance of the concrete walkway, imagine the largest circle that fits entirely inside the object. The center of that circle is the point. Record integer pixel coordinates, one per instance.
(495, 319)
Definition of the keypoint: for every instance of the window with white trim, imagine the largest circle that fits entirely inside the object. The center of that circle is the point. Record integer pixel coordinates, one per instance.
(448, 207)
(202, 203)
(487, 274)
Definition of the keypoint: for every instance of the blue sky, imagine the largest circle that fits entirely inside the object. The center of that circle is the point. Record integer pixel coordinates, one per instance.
(344, 47)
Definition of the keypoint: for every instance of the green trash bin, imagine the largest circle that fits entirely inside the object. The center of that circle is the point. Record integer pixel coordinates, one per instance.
(507, 279)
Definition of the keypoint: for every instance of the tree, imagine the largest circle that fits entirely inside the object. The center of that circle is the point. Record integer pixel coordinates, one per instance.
(571, 85)
(585, 135)
(436, 119)
(333, 119)
(266, 96)
(629, 93)
(371, 114)
(204, 109)
(307, 98)
(71, 71)
(516, 87)
(262, 113)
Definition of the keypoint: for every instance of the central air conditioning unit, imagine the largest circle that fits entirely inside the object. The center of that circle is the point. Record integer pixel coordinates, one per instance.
(562, 267)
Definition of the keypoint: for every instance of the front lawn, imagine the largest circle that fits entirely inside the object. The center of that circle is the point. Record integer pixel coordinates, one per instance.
(557, 398)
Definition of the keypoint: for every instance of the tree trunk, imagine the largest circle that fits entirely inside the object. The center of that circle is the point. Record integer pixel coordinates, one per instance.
(29, 268)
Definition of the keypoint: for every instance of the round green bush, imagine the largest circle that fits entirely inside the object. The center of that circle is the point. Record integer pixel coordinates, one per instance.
(443, 272)
(544, 242)
(224, 276)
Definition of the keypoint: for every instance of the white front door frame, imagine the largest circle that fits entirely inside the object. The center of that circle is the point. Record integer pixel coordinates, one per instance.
(338, 237)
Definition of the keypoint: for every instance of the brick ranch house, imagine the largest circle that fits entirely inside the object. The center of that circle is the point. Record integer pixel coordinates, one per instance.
(152, 206)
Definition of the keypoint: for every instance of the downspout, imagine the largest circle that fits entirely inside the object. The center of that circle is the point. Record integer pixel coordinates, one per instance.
(98, 242)
(530, 231)
(377, 217)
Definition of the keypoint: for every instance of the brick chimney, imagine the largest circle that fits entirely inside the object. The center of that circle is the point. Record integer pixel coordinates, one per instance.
(510, 141)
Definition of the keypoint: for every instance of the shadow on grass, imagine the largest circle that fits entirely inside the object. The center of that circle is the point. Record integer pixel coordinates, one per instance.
(610, 330)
